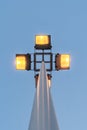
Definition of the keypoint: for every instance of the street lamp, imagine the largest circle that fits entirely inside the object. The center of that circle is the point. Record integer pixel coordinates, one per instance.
(43, 51)
(23, 61)
(43, 42)
(62, 61)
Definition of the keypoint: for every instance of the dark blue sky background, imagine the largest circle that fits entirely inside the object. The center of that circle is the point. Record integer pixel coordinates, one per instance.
(66, 21)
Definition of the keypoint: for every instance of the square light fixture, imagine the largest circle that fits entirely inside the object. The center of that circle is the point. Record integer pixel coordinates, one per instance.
(43, 42)
(23, 61)
(62, 61)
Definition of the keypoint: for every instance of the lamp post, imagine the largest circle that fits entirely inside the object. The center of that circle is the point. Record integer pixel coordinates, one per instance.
(43, 51)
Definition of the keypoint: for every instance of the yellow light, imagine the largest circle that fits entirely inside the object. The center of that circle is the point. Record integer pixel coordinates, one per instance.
(23, 61)
(20, 62)
(62, 61)
(42, 42)
(65, 61)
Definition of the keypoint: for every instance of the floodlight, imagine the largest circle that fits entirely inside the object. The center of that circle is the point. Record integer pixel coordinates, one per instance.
(23, 61)
(43, 42)
(62, 61)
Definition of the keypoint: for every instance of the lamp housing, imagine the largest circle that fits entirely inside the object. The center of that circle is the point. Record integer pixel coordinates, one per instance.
(62, 61)
(43, 42)
(23, 61)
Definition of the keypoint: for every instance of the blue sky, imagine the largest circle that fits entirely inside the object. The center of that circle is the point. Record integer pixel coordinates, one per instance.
(66, 21)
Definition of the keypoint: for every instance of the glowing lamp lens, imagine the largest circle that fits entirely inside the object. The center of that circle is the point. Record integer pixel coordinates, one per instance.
(65, 61)
(42, 42)
(23, 62)
(62, 61)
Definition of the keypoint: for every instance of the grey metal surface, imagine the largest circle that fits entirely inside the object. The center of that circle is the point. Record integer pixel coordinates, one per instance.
(43, 115)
